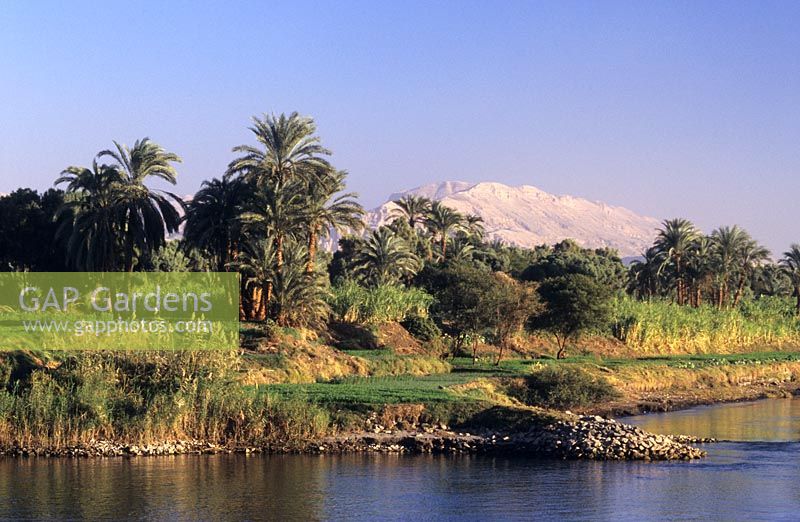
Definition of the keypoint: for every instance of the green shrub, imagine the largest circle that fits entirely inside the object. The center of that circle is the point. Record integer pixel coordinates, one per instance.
(423, 328)
(560, 387)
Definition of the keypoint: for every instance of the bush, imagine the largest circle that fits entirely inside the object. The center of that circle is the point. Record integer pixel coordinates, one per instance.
(558, 387)
(423, 328)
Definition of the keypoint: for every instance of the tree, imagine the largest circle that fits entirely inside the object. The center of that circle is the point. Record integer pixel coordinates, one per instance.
(148, 214)
(513, 304)
(751, 256)
(573, 304)
(567, 257)
(644, 279)
(675, 241)
(413, 208)
(326, 211)
(727, 243)
(90, 221)
(462, 307)
(28, 231)
(212, 219)
(791, 265)
(288, 150)
(385, 258)
(442, 221)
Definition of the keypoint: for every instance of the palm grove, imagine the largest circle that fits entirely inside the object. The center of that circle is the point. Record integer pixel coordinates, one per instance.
(281, 197)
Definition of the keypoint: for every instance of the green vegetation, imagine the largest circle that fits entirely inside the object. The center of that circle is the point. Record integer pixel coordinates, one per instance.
(353, 303)
(565, 387)
(424, 312)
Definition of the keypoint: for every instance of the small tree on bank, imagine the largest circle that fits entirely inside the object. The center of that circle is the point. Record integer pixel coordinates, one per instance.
(574, 304)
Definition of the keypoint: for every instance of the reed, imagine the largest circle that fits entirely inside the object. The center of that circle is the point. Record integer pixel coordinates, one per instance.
(353, 303)
(661, 327)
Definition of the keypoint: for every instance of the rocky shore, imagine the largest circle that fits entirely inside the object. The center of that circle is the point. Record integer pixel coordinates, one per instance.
(586, 437)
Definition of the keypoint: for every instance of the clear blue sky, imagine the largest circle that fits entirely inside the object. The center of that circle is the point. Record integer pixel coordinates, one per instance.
(669, 108)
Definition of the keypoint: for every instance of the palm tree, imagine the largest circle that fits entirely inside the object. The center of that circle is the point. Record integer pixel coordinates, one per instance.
(149, 213)
(299, 296)
(726, 243)
(771, 279)
(212, 219)
(328, 211)
(89, 219)
(699, 267)
(288, 150)
(674, 241)
(474, 226)
(413, 208)
(257, 266)
(442, 221)
(791, 265)
(751, 256)
(645, 279)
(385, 258)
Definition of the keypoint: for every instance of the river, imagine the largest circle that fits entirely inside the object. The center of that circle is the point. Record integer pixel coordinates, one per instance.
(753, 476)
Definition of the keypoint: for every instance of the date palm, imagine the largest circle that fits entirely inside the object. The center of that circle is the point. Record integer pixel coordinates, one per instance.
(644, 275)
(212, 219)
(287, 149)
(675, 241)
(791, 266)
(328, 211)
(89, 221)
(149, 214)
(474, 226)
(443, 221)
(256, 264)
(413, 208)
(751, 256)
(385, 258)
(727, 243)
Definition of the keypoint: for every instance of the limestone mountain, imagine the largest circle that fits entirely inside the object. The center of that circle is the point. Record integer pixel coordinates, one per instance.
(527, 216)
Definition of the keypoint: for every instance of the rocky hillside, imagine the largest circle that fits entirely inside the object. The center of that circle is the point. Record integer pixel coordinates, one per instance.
(527, 216)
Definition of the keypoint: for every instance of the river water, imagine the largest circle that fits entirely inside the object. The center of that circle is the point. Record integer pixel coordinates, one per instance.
(755, 476)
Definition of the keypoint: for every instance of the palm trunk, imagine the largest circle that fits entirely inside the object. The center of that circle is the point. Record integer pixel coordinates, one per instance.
(444, 246)
(797, 295)
(739, 291)
(312, 249)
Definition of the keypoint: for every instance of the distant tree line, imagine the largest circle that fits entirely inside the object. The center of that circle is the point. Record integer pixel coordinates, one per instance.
(280, 197)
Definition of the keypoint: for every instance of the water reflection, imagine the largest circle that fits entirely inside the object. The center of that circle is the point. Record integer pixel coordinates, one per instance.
(739, 481)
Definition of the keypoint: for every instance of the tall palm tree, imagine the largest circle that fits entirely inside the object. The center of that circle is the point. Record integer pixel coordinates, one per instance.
(89, 221)
(727, 243)
(751, 256)
(413, 208)
(442, 221)
(276, 213)
(385, 258)
(791, 265)
(328, 211)
(674, 241)
(212, 219)
(288, 149)
(149, 213)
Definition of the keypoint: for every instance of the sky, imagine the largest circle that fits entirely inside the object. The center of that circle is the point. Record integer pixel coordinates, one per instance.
(672, 109)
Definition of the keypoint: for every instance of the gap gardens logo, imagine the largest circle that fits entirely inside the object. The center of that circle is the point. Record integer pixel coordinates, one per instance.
(119, 311)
